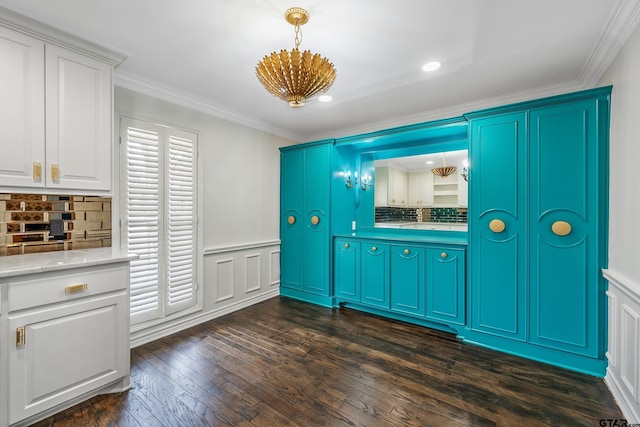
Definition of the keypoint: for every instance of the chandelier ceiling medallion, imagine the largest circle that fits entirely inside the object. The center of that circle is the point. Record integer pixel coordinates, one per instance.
(295, 76)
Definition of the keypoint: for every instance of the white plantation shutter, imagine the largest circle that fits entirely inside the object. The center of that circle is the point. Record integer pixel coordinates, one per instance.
(181, 220)
(159, 211)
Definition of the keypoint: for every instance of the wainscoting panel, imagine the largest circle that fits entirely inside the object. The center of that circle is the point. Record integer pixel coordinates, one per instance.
(274, 271)
(234, 275)
(253, 272)
(224, 279)
(623, 372)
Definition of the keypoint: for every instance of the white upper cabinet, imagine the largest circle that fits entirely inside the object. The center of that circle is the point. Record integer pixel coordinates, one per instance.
(420, 189)
(21, 110)
(78, 121)
(56, 111)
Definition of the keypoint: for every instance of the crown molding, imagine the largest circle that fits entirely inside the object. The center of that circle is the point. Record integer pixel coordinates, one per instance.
(167, 93)
(620, 25)
(456, 110)
(51, 35)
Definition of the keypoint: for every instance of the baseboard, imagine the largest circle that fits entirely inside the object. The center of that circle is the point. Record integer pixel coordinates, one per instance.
(160, 331)
(625, 406)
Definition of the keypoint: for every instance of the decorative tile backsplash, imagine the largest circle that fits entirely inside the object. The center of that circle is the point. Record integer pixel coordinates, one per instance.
(32, 223)
(385, 214)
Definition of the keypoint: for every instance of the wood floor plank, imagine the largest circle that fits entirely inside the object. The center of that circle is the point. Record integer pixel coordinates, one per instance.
(287, 363)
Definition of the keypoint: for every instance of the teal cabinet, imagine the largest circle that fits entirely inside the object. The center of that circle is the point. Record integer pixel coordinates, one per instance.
(375, 274)
(445, 278)
(564, 268)
(538, 226)
(407, 279)
(497, 216)
(305, 231)
(347, 269)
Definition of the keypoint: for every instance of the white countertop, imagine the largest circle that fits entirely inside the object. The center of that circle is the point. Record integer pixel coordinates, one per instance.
(15, 265)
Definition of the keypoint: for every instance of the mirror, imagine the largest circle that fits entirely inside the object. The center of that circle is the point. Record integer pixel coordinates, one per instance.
(409, 195)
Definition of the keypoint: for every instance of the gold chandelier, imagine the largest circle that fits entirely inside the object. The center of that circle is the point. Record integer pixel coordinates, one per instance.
(445, 170)
(296, 76)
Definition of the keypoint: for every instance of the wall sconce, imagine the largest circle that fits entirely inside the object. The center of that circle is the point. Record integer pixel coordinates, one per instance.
(348, 182)
(465, 170)
(366, 182)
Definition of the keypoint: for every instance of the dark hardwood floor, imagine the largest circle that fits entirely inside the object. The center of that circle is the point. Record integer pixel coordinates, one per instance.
(284, 362)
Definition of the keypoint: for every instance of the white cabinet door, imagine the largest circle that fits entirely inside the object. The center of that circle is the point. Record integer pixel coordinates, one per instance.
(78, 121)
(420, 189)
(398, 188)
(68, 350)
(21, 110)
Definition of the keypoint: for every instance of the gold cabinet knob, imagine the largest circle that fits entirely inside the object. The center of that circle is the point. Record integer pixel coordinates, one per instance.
(373, 248)
(291, 220)
(315, 220)
(406, 251)
(443, 255)
(497, 225)
(561, 228)
(393, 200)
(346, 246)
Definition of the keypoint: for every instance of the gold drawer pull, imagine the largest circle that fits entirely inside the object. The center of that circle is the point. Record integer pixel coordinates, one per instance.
(315, 220)
(443, 255)
(497, 226)
(76, 288)
(55, 173)
(346, 245)
(21, 338)
(373, 248)
(561, 228)
(291, 220)
(406, 251)
(37, 172)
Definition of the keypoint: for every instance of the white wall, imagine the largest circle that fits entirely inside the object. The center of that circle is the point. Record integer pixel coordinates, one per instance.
(239, 185)
(623, 373)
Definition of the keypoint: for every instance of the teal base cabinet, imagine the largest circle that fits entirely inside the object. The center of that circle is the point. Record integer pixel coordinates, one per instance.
(445, 292)
(537, 229)
(305, 231)
(410, 281)
(407, 279)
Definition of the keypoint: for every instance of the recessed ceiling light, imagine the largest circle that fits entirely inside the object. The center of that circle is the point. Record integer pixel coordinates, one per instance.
(430, 162)
(431, 66)
(325, 98)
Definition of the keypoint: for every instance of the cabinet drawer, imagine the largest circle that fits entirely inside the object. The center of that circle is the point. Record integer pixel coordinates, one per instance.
(49, 288)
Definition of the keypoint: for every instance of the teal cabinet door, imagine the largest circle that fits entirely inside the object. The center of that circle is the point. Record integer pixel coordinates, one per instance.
(317, 233)
(497, 225)
(407, 279)
(347, 270)
(305, 231)
(445, 285)
(375, 276)
(563, 228)
(291, 219)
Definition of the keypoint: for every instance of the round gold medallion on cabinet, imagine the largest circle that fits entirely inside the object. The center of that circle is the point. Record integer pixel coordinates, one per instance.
(497, 225)
(561, 228)
(291, 220)
(315, 220)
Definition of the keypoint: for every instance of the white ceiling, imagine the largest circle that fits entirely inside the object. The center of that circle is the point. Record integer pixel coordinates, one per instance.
(203, 53)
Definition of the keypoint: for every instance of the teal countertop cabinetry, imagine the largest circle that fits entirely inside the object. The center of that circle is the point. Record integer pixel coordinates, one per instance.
(526, 276)
(417, 281)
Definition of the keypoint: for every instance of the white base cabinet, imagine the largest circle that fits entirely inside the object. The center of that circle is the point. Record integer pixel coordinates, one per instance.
(65, 338)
